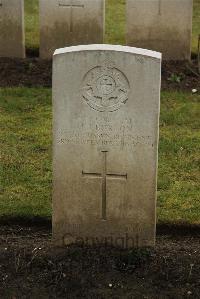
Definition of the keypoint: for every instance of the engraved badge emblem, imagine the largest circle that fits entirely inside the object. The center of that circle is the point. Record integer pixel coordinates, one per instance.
(105, 88)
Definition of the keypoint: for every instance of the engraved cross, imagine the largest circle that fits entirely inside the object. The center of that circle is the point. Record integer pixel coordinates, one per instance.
(70, 4)
(104, 176)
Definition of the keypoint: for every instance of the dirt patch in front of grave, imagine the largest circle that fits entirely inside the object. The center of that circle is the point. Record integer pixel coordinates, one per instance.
(29, 72)
(35, 72)
(177, 75)
(30, 267)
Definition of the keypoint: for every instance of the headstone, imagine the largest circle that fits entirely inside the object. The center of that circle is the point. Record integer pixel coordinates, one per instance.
(12, 41)
(70, 22)
(106, 115)
(161, 25)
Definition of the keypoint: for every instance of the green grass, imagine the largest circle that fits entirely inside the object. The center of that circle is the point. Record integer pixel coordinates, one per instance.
(179, 159)
(115, 23)
(32, 23)
(25, 134)
(26, 173)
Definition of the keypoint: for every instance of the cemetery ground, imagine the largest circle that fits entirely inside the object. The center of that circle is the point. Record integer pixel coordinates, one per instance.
(30, 266)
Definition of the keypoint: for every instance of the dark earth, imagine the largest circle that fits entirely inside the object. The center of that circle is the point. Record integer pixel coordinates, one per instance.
(35, 72)
(31, 267)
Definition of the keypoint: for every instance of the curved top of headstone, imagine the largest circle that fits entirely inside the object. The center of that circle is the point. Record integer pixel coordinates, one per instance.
(105, 47)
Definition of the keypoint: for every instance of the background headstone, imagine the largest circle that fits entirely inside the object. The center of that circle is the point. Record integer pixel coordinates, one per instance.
(70, 22)
(161, 25)
(106, 117)
(12, 40)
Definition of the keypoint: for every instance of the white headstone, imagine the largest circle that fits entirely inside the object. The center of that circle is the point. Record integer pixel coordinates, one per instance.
(106, 118)
(70, 22)
(12, 41)
(161, 25)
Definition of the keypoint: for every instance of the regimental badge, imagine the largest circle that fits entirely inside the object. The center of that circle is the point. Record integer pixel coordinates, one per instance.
(105, 88)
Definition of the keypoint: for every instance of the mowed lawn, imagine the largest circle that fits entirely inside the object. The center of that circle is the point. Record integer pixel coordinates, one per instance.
(115, 23)
(26, 155)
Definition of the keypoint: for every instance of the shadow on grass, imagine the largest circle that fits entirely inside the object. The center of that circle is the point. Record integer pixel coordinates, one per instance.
(172, 229)
(37, 221)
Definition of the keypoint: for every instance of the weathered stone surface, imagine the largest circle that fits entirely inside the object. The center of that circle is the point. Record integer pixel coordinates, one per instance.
(12, 41)
(70, 22)
(106, 115)
(161, 25)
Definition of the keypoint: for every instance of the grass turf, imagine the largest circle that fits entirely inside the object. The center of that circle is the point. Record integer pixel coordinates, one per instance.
(115, 23)
(26, 173)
